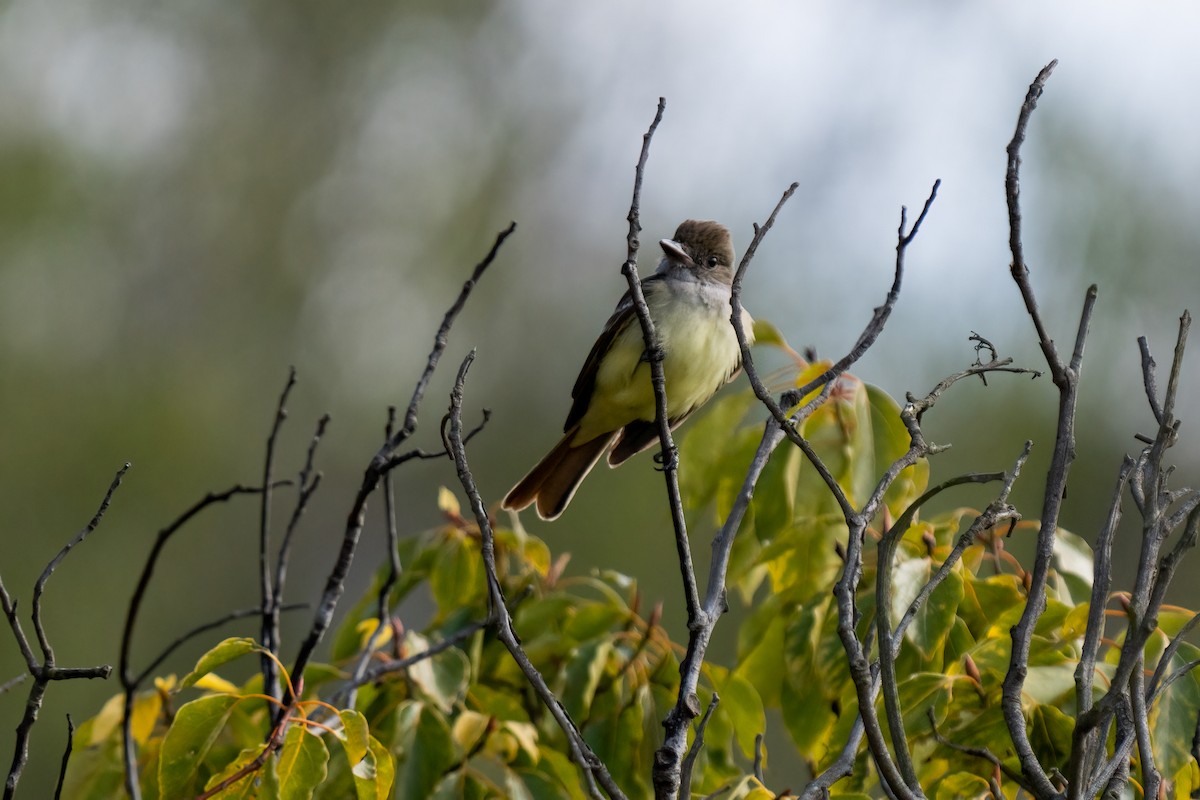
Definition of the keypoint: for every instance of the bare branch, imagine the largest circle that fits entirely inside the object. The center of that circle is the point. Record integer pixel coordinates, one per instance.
(1066, 378)
(1012, 191)
(1085, 744)
(689, 760)
(593, 769)
(379, 466)
(1151, 777)
(40, 586)
(66, 758)
(977, 752)
(842, 767)
(401, 664)
(269, 631)
(46, 671)
(439, 345)
(184, 638)
(307, 482)
(668, 761)
(383, 611)
(669, 456)
(128, 681)
(997, 511)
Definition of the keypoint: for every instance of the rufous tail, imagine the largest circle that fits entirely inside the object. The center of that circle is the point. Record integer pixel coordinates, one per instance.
(553, 481)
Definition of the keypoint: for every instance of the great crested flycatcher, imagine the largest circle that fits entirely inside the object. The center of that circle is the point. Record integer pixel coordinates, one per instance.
(688, 298)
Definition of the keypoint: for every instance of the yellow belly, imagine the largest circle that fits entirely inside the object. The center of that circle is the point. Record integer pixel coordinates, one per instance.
(701, 355)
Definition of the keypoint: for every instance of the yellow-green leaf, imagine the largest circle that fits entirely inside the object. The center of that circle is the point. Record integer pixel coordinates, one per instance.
(302, 764)
(192, 734)
(218, 656)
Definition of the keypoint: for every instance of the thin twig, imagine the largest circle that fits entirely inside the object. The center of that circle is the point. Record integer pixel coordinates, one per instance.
(270, 632)
(1012, 185)
(40, 586)
(307, 482)
(378, 467)
(689, 760)
(66, 758)
(183, 638)
(1151, 777)
(46, 671)
(594, 770)
(997, 511)
(1147, 485)
(274, 742)
(654, 353)
(383, 611)
(401, 664)
(842, 766)
(1066, 378)
(128, 681)
(1085, 744)
(977, 752)
(668, 760)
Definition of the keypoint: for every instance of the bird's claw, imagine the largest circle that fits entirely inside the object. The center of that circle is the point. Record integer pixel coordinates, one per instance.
(667, 463)
(653, 354)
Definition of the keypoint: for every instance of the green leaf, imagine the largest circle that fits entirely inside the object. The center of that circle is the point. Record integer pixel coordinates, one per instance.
(503, 705)
(765, 333)
(442, 678)
(1073, 562)
(302, 765)
(96, 770)
(1051, 684)
(741, 702)
(385, 773)
(936, 617)
(1173, 717)
(248, 785)
(921, 692)
(583, 674)
(809, 719)
(591, 620)
(615, 733)
(371, 765)
(992, 605)
(425, 749)
(714, 453)
(192, 734)
(220, 655)
(891, 441)
(1050, 733)
(563, 772)
(457, 576)
(774, 499)
(962, 785)
(760, 645)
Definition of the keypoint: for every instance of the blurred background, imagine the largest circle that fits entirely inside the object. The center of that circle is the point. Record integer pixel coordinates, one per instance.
(195, 196)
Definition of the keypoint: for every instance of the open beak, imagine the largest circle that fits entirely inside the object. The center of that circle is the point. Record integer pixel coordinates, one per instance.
(675, 251)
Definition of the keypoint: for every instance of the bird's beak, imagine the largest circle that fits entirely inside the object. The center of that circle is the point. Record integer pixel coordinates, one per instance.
(675, 250)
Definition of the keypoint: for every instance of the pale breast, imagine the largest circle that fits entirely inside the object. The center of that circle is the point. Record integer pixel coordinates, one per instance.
(701, 349)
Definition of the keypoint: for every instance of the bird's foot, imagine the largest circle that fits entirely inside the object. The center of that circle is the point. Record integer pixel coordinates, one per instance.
(653, 354)
(668, 463)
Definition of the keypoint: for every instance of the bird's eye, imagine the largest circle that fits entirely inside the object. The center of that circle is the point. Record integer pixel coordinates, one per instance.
(712, 261)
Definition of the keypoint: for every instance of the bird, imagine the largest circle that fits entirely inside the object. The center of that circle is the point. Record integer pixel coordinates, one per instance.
(613, 408)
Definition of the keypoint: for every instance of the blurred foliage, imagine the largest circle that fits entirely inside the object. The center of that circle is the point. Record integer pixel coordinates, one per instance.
(463, 722)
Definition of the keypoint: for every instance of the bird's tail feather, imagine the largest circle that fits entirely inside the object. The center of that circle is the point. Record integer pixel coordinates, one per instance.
(553, 481)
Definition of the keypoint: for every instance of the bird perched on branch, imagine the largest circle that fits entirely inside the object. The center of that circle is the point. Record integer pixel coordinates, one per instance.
(688, 299)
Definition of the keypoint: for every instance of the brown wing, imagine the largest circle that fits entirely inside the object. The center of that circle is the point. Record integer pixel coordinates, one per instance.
(585, 384)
